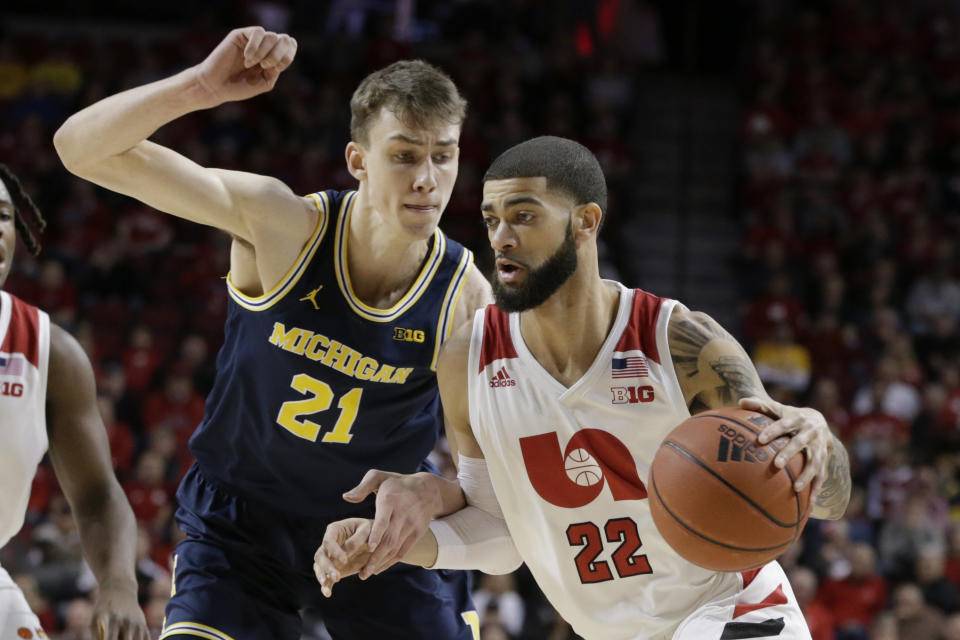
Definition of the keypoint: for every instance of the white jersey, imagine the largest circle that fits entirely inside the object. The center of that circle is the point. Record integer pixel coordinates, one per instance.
(569, 467)
(24, 355)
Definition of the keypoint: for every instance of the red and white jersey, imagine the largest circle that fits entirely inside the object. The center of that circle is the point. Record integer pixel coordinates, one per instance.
(24, 355)
(569, 467)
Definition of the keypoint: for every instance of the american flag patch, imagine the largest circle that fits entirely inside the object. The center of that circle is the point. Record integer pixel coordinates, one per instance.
(11, 365)
(630, 367)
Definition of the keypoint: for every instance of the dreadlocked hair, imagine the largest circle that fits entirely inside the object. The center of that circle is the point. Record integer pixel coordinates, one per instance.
(23, 202)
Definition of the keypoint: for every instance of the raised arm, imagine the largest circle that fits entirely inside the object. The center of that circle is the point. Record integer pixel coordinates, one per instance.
(81, 459)
(714, 371)
(107, 144)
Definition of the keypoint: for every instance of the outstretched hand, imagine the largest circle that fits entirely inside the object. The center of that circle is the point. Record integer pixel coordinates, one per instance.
(807, 431)
(246, 63)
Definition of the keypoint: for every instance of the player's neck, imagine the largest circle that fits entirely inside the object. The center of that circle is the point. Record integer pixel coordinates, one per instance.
(382, 261)
(566, 332)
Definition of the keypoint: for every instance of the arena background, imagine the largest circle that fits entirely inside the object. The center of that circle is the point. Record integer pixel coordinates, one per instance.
(792, 168)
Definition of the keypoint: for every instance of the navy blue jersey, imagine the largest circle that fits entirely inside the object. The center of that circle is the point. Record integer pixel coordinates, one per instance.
(314, 387)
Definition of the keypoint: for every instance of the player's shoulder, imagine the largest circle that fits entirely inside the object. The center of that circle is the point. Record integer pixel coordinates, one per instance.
(70, 378)
(683, 319)
(455, 349)
(65, 351)
(477, 293)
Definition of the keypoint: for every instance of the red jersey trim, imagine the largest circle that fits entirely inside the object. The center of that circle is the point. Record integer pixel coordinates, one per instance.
(774, 598)
(23, 332)
(749, 575)
(641, 331)
(497, 344)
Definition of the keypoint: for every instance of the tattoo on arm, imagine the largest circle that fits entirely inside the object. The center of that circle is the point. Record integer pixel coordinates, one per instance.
(834, 495)
(738, 378)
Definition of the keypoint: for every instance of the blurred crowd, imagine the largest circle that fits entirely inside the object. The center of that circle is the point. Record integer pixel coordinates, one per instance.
(849, 270)
(143, 292)
(850, 273)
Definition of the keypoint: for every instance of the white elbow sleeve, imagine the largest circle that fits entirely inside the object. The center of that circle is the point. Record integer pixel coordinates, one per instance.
(476, 537)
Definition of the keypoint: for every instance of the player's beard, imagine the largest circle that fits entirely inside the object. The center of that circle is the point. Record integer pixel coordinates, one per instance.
(542, 282)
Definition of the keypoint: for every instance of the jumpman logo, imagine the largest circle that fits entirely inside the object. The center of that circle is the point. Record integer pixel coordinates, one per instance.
(312, 297)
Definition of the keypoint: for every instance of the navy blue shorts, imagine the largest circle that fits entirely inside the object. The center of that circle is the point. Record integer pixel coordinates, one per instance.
(245, 572)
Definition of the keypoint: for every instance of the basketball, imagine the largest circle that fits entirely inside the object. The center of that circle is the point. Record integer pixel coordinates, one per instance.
(718, 499)
(582, 468)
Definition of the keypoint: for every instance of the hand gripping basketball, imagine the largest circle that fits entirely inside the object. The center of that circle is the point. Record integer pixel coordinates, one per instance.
(717, 497)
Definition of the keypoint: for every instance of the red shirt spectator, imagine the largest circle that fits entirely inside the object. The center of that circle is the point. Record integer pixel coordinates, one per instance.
(148, 493)
(178, 407)
(855, 600)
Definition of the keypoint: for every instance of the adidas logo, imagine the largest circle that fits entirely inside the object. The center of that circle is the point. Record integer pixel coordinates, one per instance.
(734, 447)
(502, 379)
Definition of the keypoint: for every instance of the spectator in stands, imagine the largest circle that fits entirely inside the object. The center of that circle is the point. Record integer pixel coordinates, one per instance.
(929, 572)
(818, 617)
(856, 599)
(915, 618)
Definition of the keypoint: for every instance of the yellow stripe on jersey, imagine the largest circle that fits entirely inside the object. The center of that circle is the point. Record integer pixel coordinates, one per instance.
(449, 307)
(282, 288)
(194, 629)
(410, 298)
(472, 618)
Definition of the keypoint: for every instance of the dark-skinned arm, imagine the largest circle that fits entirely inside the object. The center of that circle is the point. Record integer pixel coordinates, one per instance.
(80, 454)
(714, 371)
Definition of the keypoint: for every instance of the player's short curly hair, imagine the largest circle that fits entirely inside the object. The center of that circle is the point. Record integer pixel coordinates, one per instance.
(418, 93)
(23, 204)
(567, 165)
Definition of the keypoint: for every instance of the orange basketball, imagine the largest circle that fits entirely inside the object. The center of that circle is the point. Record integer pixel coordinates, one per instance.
(718, 499)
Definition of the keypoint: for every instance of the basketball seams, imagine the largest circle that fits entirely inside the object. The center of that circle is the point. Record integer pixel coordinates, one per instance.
(653, 484)
(729, 485)
(800, 517)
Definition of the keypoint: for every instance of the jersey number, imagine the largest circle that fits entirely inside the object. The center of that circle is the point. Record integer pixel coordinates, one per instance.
(622, 530)
(320, 398)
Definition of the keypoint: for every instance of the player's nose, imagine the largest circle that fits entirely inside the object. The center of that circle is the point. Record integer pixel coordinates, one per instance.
(503, 237)
(426, 179)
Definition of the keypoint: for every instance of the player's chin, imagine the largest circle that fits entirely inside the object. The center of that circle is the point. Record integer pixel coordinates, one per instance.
(418, 224)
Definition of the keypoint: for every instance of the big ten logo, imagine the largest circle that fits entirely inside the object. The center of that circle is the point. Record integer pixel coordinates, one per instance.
(14, 389)
(574, 477)
(409, 335)
(632, 395)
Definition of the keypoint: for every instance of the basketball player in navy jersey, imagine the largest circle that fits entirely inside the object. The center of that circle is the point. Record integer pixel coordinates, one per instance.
(48, 401)
(555, 337)
(338, 305)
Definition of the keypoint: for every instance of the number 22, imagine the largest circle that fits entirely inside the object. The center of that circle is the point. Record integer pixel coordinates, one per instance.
(291, 412)
(623, 530)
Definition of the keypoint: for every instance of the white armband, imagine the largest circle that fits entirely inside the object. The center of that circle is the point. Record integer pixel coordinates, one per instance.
(475, 537)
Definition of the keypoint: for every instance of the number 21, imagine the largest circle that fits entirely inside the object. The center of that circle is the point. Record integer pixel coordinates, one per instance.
(321, 397)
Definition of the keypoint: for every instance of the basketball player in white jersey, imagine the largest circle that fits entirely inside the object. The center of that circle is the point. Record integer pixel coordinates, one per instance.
(48, 401)
(568, 366)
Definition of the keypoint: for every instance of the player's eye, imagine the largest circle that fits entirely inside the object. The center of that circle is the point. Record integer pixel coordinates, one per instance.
(403, 156)
(490, 222)
(443, 158)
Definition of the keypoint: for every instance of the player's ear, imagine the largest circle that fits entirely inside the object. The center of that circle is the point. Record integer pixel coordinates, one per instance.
(586, 219)
(356, 161)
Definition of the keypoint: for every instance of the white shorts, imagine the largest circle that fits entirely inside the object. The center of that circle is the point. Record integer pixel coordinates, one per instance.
(16, 619)
(765, 608)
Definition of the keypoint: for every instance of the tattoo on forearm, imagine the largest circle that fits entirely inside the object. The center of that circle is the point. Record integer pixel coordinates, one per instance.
(834, 494)
(739, 378)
